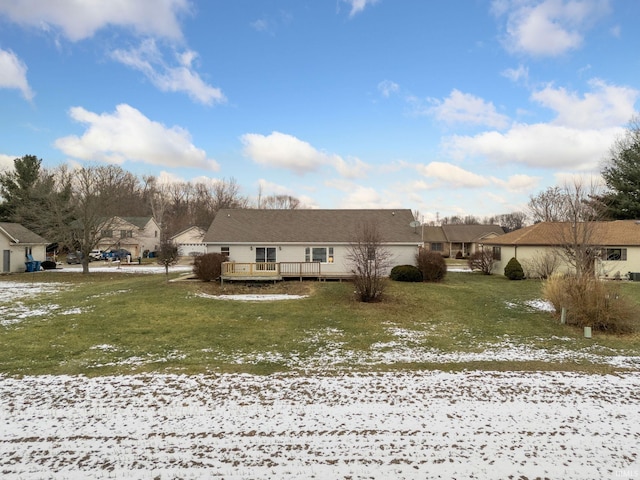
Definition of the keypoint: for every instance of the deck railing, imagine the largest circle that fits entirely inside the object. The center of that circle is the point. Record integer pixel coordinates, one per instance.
(300, 269)
(271, 269)
(260, 269)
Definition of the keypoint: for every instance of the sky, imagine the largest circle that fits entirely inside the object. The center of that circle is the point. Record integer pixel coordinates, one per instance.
(448, 108)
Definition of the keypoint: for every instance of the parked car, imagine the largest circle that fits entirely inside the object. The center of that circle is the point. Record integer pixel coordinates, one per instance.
(96, 255)
(74, 257)
(119, 254)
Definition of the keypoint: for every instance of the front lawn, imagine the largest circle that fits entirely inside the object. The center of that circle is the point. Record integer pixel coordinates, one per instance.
(106, 323)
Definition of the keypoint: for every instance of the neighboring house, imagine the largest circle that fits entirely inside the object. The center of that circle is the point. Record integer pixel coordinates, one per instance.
(311, 243)
(136, 234)
(189, 242)
(618, 243)
(458, 240)
(19, 245)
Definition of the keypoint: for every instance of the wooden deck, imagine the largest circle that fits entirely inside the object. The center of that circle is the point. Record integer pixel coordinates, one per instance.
(275, 271)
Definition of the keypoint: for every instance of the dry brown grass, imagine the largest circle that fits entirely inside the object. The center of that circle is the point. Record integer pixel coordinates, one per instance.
(590, 302)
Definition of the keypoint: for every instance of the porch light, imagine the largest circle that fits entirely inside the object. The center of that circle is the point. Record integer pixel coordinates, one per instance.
(251, 247)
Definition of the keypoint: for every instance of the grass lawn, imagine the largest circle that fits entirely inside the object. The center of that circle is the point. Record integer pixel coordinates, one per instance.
(104, 323)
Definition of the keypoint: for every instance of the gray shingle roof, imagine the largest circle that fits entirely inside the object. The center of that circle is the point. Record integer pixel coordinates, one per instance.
(15, 231)
(309, 226)
(461, 233)
(470, 233)
(139, 222)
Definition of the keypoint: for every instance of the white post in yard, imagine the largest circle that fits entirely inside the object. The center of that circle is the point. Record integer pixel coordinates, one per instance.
(563, 316)
(587, 332)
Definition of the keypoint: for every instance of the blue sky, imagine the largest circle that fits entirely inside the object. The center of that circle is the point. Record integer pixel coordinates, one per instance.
(449, 108)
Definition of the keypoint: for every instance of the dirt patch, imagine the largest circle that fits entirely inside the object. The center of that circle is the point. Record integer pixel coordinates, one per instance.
(259, 288)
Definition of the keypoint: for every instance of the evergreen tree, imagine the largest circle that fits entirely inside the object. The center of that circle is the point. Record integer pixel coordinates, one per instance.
(622, 176)
(18, 185)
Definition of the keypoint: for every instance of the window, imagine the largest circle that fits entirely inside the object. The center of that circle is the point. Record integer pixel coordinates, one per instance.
(126, 233)
(224, 251)
(497, 253)
(436, 247)
(266, 255)
(318, 254)
(107, 233)
(614, 254)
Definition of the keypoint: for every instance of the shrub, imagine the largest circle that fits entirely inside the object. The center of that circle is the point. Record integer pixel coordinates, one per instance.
(543, 265)
(482, 260)
(590, 302)
(405, 273)
(513, 270)
(459, 255)
(208, 267)
(431, 265)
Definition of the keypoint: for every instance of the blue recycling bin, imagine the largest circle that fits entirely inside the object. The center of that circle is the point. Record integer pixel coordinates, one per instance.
(36, 267)
(31, 266)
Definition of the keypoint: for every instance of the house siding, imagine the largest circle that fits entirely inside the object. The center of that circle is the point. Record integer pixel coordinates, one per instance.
(401, 255)
(190, 241)
(143, 238)
(17, 256)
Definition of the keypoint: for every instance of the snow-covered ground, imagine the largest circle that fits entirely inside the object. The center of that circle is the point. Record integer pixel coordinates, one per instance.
(117, 267)
(396, 425)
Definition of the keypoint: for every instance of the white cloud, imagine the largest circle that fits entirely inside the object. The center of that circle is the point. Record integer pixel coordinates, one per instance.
(548, 27)
(388, 88)
(591, 182)
(179, 77)
(520, 74)
(13, 74)
(518, 183)
(127, 135)
(78, 20)
(465, 108)
(368, 197)
(605, 106)
(538, 145)
(452, 175)
(6, 162)
(286, 151)
(358, 6)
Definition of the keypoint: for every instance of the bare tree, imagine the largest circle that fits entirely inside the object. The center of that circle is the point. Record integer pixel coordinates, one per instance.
(543, 265)
(549, 206)
(578, 238)
(483, 260)
(509, 221)
(167, 255)
(280, 202)
(83, 215)
(369, 261)
(574, 216)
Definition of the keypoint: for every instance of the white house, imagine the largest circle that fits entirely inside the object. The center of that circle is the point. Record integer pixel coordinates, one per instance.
(617, 243)
(136, 234)
(20, 245)
(189, 241)
(312, 243)
(458, 240)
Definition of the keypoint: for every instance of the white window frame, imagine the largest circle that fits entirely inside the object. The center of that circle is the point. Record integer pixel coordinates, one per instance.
(310, 254)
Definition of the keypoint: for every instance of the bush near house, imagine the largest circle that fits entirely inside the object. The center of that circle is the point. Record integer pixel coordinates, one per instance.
(405, 273)
(431, 265)
(208, 267)
(482, 260)
(590, 302)
(513, 270)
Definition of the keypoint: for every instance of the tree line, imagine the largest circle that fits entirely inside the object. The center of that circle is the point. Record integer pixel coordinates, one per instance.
(69, 205)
